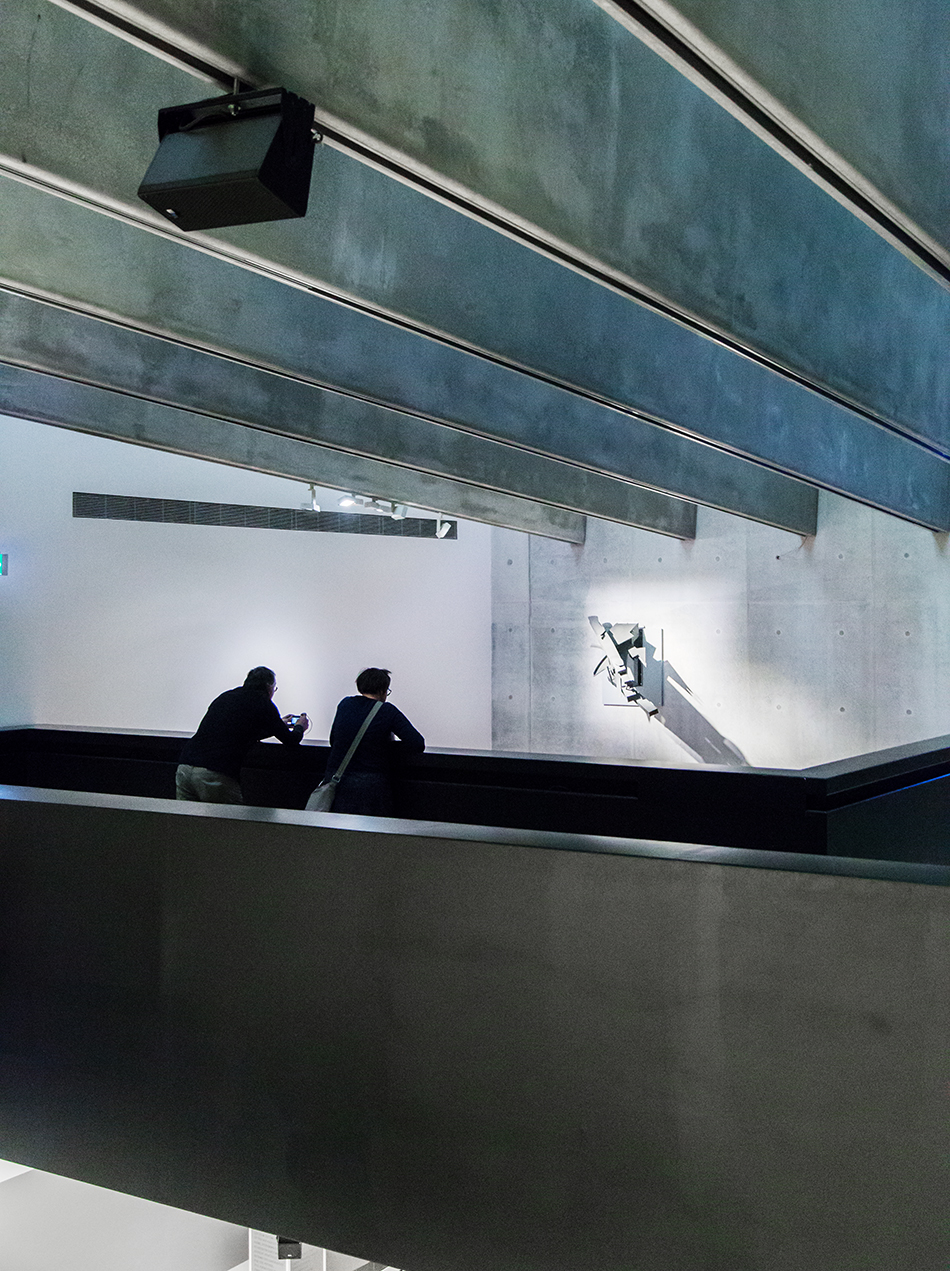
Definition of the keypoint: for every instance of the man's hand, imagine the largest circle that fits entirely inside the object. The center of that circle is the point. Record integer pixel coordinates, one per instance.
(294, 721)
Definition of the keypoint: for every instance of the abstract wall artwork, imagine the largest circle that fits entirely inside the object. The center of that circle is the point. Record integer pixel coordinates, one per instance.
(637, 674)
(632, 677)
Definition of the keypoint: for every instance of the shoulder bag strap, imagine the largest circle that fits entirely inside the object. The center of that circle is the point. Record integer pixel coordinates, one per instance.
(335, 779)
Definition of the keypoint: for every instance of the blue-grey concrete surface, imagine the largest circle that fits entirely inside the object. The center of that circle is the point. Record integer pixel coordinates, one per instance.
(205, 301)
(675, 194)
(853, 300)
(869, 78)
(588, 436)
(55, 247)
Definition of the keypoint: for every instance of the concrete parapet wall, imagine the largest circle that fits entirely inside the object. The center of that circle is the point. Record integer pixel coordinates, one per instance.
(447, 1048)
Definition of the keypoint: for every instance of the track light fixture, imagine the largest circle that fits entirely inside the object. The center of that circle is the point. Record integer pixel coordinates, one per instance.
(368, 503)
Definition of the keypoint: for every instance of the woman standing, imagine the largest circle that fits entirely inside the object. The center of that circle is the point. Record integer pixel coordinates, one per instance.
(367, 787)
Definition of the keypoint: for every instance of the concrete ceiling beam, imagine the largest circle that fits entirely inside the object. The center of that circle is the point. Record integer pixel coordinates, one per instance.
(677, 203)
(824, 84)
(52, 247)
(87, 408)
(37, 336)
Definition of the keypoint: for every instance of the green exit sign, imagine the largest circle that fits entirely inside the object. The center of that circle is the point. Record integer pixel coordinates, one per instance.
(3, 563)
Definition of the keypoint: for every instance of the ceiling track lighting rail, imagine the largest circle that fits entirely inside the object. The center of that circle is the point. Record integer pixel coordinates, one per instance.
(228, 78)
(170, 50)
(88, 505)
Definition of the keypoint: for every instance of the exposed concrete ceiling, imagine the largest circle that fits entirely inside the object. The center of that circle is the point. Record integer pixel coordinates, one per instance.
(84, 407)
(851, 93)
(719, 315)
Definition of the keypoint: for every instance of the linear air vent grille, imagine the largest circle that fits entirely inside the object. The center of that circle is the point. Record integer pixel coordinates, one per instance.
(126, 507)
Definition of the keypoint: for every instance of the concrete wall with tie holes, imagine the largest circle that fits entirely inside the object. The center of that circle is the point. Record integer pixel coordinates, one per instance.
(797, 651)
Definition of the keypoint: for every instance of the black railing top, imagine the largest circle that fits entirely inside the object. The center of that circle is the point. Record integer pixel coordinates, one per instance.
(920, 757)
(832, 809)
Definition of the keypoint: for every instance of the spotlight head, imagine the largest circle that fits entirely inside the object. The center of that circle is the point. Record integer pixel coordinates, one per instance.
(233, 160)
(442, 529)
(348, 501)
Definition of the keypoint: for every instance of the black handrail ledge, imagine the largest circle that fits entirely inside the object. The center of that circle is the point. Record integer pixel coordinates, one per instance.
(886, 805)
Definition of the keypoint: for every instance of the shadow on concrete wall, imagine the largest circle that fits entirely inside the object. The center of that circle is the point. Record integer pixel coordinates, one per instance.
(691, 728)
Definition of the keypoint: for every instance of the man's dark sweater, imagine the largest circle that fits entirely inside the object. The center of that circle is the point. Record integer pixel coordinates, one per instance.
(232, 724)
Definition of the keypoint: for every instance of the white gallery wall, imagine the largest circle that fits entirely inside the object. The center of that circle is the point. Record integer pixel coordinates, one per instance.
(797, 651)
(115, 624)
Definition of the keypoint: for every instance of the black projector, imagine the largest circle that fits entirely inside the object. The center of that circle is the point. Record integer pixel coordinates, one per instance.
(232, 160)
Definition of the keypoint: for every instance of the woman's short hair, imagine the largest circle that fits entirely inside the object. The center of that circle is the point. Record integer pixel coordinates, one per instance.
(261, 677)
(374, 680)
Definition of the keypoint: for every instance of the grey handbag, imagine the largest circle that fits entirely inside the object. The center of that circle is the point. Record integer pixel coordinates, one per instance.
(322, 798)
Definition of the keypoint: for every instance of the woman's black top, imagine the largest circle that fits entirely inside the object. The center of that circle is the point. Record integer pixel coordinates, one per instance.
(376, 750)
